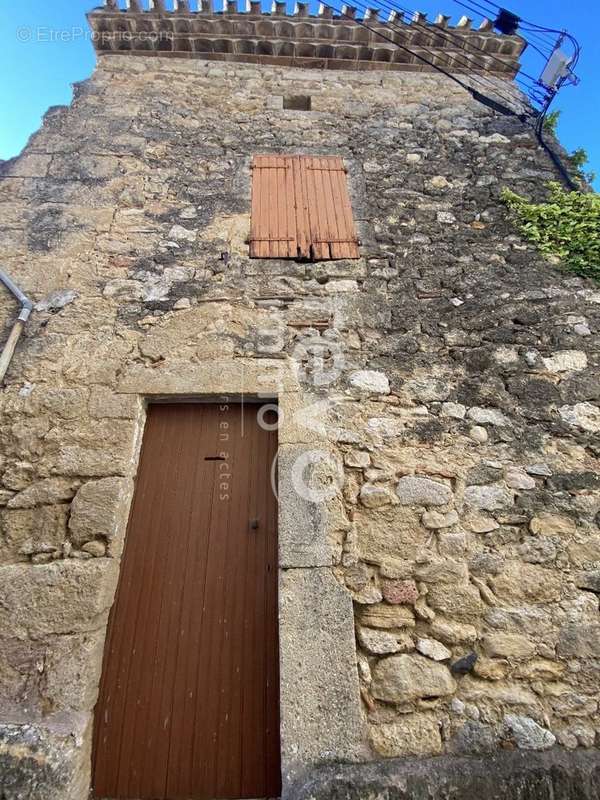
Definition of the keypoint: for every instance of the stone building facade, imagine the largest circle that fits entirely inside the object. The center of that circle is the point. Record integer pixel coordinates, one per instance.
(439, 619)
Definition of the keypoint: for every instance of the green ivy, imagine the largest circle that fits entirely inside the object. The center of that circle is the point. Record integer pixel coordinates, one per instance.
(567, 226)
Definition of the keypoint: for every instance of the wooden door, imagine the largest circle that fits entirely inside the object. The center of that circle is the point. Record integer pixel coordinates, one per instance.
(189, 696)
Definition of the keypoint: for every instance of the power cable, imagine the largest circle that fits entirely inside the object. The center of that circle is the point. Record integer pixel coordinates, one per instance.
(449, 35)
(490, 102)
(485, 84)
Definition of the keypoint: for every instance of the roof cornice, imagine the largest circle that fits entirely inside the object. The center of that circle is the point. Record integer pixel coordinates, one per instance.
(324, 41)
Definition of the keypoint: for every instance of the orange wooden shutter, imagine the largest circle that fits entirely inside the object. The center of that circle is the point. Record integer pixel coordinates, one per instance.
(301, 209)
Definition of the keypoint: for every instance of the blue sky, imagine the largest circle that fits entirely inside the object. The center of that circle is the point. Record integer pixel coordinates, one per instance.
(44, 49)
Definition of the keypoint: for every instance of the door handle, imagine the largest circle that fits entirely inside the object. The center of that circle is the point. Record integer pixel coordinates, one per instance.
(253, 524)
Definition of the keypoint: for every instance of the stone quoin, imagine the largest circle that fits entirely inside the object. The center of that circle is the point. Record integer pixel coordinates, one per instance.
(439, 628)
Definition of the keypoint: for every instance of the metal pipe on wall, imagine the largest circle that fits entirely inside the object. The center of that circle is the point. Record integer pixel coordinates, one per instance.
(17, 329)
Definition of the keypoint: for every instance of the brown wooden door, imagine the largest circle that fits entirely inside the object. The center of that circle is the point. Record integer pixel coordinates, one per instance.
(189, 696)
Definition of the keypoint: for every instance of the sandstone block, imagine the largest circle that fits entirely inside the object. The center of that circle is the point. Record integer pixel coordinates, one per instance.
(373, 496)
(412, 735)
(435, 520)
(507, 645)
(461, 602)
(552, 525)
(403, 678)
(381, 615)
(452, 632)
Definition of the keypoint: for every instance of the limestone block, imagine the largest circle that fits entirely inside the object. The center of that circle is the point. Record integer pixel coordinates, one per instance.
(45, 492)
(433, 649)
(99, 509)
(442, 571)
(435, 520)
(307, 500)
(552, 525)
(407, 677)
(460, 602)
(388, 535)
(369, 382)
(487, 416)
(527, 582)
(566, 361)
(57, 598)
(373, 496)
(319, 675)
(493, 497)
(527, 734)
(107, 404)
(416, 734)
(452, 632)
(506, 645)
(415, 490)
(582, 415)
(32, 530)
(378, 642)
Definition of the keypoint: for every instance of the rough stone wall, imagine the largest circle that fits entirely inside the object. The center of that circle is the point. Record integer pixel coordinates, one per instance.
(449, 375)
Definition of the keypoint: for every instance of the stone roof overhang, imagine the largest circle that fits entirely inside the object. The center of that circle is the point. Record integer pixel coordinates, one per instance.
(324, 41)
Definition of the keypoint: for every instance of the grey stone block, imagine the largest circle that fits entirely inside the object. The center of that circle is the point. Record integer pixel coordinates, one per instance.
(321, 719)
(554, 775)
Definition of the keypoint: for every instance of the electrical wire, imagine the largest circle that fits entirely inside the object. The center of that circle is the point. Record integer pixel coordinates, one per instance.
(538, 127)
(449, 35)
(484, 84)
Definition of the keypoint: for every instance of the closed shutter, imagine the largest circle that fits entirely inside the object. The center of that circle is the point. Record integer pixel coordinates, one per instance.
(301, 209)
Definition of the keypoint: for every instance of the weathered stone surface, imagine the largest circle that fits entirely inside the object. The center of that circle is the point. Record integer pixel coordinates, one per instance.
(380, 642)
(507, 776)
(384, 616)
(136, 253)
(404, 678)
(99, 509)
(582, 415)
(46, 761)
(494, 497)
(435, 520)
(412, 735)
(374, 496)
(527, 734)
(370, 382)
(433, 649)
(566, 361)
(414, 490)
(57, 598)
(507, 645)
(318, 671)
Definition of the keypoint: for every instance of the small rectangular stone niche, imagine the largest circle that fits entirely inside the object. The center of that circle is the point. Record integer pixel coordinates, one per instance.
(297, 102)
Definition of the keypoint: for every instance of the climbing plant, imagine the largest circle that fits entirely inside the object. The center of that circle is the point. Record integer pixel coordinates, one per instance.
(566, 226)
